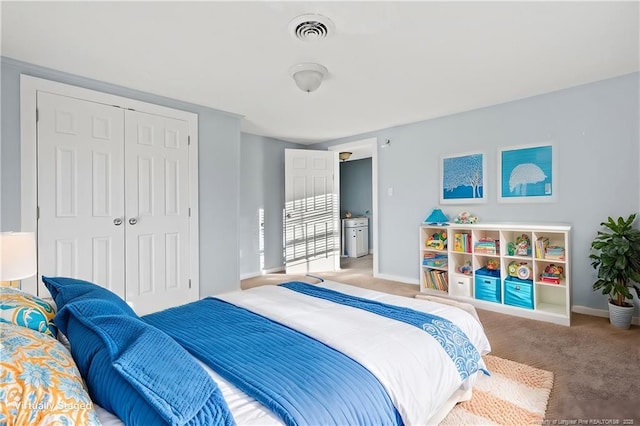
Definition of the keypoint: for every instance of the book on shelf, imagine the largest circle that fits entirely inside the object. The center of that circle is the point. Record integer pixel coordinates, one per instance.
(550, 280)
(436, 280)
(457, 242)
(541, 247)
(486, 245)
(554, 253)
(462, 242)
(435, 260)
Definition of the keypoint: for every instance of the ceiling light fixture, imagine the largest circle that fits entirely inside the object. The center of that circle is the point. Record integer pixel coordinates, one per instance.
(344, 156)
(308, 77)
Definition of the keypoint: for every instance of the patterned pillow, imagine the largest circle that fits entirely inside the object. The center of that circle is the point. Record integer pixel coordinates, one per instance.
(26, 310)
(39, 382)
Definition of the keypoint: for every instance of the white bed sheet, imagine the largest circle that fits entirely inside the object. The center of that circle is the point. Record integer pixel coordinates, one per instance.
(391, 350)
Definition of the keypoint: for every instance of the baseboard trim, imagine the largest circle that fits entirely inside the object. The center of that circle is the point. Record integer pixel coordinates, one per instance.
(604, 313)
(397, 278)
(263, 272)
(251, 275)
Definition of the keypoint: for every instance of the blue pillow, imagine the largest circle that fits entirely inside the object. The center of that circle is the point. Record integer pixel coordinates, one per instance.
(66, 290)
(136, 371)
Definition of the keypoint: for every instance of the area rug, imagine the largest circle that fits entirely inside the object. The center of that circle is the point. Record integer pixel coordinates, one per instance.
(514, 394)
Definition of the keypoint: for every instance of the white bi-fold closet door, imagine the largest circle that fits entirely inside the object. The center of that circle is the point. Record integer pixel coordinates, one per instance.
(113, 186)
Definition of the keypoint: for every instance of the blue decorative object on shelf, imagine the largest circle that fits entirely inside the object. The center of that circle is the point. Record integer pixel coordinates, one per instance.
(437, 217)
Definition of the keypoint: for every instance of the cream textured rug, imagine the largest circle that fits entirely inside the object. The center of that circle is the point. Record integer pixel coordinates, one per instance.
(514, 394)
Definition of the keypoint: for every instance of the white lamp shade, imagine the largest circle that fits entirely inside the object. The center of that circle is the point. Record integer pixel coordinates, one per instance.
(308, 77)
(17, 255)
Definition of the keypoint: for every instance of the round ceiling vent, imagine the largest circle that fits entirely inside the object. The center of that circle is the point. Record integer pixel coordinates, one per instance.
(311, 27)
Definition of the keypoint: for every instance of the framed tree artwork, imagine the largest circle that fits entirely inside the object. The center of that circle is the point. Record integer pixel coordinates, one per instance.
(527, 174)
(462, 179)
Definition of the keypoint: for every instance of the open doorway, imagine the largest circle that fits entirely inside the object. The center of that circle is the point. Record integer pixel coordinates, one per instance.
(358, 205)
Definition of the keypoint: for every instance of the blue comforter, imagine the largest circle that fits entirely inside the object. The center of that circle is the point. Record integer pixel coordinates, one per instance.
(299, 378)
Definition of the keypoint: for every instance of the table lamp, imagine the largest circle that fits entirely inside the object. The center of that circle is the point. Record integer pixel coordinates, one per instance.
(436, 217)
(17, 257)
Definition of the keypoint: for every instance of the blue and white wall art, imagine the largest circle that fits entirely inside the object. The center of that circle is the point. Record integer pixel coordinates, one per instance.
(463, 179)
(526, 174)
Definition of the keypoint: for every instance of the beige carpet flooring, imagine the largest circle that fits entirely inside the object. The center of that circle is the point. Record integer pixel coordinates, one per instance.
(596, 366)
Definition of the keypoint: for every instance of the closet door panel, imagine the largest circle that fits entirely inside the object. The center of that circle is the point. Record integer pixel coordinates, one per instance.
(157, 211)
(80, 190)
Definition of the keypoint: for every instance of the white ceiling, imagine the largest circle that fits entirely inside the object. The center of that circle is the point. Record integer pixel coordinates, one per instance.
(389, 63)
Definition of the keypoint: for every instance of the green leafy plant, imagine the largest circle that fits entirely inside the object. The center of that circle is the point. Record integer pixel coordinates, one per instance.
(616, 257)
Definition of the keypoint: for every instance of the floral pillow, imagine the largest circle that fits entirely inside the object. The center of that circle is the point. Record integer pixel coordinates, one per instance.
(26, 310)
(39, 382)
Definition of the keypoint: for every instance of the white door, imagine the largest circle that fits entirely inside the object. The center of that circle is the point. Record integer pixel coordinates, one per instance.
(157, 212)
(80, 150)
(113, 197)
(311, 231)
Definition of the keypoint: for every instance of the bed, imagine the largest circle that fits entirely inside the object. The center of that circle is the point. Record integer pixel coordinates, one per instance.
(288, 354)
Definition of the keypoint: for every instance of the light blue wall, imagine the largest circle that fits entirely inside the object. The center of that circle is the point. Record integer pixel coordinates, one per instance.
(355, 190)
(261, 188)
(219, 165)
(595, 129)
(596, 132)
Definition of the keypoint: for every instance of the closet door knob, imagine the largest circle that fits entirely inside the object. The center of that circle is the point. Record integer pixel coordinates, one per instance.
(133, 221)
(117, 221)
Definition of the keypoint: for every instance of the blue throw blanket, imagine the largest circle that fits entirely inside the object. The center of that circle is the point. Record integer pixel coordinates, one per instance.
(300, 379)
(454, 341)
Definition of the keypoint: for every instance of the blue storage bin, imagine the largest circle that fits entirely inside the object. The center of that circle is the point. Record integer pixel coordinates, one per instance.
(518, 292)
(487, 288)
(494, 273)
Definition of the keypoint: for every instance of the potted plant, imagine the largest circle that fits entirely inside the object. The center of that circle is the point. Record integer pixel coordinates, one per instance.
(616, 257)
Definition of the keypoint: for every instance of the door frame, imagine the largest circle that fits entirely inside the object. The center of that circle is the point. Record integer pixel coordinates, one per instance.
(370, 146)
(29, 87)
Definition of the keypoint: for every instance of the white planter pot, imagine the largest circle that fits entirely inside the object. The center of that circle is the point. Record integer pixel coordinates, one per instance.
(620, 316)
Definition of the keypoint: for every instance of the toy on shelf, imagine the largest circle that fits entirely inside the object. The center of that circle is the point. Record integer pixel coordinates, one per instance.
(523, 245)
(552, 274)
(465, 217)
(519, 270)
(437, 241)
(493, 264)
(465, 268)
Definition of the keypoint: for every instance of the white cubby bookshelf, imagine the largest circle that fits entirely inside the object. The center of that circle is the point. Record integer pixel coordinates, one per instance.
(471, 247)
